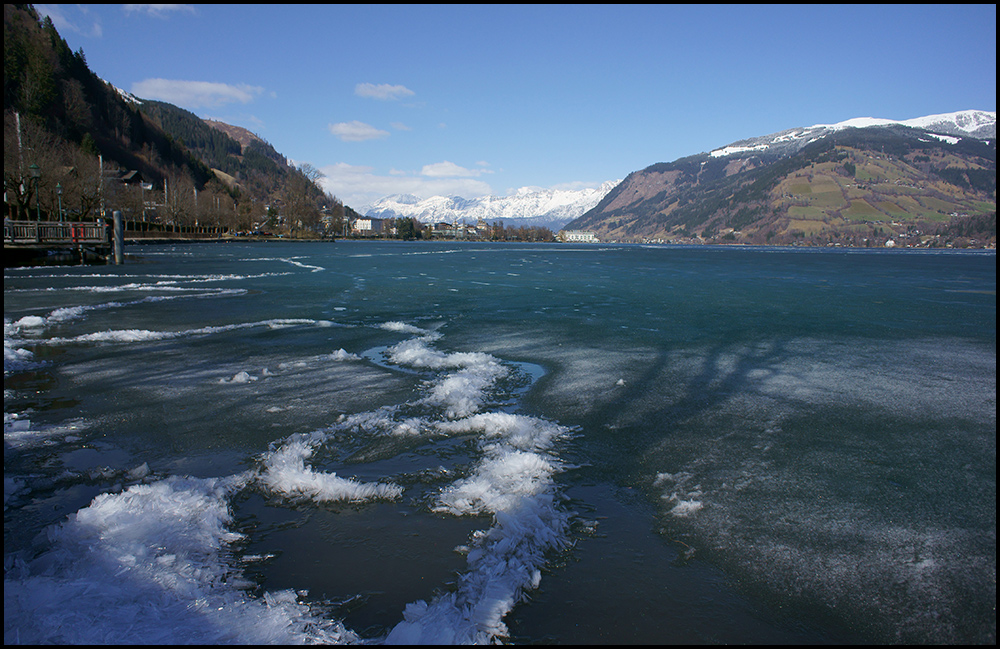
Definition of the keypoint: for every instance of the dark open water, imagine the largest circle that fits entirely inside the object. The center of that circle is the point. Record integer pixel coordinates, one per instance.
(417, 442)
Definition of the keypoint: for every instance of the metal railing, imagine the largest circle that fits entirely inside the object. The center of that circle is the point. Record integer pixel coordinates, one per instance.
(54, 232)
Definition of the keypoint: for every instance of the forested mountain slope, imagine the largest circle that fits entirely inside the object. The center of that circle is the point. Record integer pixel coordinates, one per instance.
(77, 130)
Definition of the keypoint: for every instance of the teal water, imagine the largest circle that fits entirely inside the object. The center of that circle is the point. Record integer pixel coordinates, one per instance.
(429, 442)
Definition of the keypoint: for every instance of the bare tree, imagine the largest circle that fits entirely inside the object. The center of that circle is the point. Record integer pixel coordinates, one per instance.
(179, 202)
(81, 186)
(336, 214)
(29, 148)
(249, 213)
(299, 199)
(216, 208)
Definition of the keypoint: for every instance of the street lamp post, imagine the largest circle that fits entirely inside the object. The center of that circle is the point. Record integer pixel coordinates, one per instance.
(36, 174)
(59, 194)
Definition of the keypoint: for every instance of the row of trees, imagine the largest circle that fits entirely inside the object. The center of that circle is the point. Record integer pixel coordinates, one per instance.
(408, 228)
(521, 233)
(51, 178)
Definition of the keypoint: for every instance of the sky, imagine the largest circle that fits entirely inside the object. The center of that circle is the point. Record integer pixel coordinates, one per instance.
(476, 100)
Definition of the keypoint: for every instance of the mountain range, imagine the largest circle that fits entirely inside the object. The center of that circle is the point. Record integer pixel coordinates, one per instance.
(977, 124)
(528, 206)
(866, 181)
(863, 181)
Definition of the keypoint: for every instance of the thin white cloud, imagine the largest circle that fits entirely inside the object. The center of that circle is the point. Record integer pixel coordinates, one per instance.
(399, 126)
(195, 94)
(158, 11)
(382, 91)
(448, 169)
(359, 186)
(357, 131)
(65, 23)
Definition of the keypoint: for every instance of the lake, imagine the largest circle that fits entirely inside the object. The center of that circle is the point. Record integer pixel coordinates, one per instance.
(427, 442)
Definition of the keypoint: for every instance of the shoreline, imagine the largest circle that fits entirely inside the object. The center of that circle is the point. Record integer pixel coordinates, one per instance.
(27, 255)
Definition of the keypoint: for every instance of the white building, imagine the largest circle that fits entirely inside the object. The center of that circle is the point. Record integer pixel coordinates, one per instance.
(578, 236)
(367, 226)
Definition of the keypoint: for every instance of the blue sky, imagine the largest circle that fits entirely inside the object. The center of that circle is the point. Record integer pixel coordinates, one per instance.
(478, 99)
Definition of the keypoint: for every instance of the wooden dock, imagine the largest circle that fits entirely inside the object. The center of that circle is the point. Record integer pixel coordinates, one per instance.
(45, 243)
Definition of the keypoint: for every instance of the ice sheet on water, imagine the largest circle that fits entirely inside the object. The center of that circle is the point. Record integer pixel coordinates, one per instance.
(812, 478)
(30, 322)
(518, 431)
(513, 481)
(34, 323)
(517, 463)
(294, 261)
(460, 393)
(150, 565)
(19, 432)
(343, 355)
(498, 484)
(677, 491)
(286, 473)
(415, 352)
(383, 421)
(402, 327)
(153, 564)
(16, 358)
(240, 378)
(145, 335)
(504, 563)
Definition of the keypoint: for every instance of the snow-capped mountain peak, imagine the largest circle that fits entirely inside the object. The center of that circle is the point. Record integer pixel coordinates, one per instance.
(550, 208)
(966, 122)
(124, 94)
(973, 123)
(978, 124)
